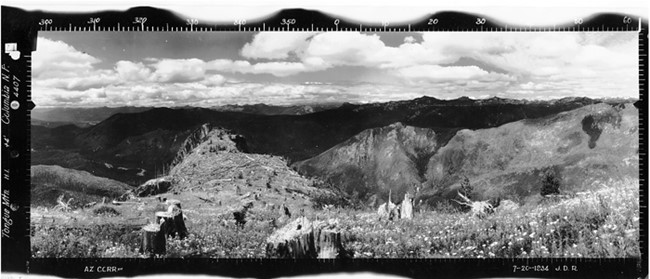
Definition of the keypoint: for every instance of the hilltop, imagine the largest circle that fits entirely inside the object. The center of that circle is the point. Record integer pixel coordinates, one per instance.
(212, 167)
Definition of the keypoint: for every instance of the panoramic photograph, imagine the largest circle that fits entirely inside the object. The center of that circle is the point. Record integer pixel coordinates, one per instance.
(335, 145)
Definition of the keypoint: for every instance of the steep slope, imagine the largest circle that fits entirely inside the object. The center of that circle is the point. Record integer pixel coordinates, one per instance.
(49, 182)
(60, 137)
(376, 161)
(586, 146)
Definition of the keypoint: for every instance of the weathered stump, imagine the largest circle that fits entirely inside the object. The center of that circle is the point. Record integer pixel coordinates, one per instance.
(171, 222)
(153, 240)
(302, 238)
(330, 244)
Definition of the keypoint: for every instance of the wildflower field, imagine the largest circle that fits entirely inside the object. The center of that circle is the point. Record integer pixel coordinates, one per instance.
(597, 223)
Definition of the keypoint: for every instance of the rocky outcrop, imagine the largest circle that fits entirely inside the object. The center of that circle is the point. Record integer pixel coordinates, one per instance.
(226, 142)
(152, 187)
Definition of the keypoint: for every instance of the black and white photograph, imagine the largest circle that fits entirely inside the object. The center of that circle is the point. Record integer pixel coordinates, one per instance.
(326, 139)
(335, 145)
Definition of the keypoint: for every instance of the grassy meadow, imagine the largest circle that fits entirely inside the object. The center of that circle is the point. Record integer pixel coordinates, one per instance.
(597, 223)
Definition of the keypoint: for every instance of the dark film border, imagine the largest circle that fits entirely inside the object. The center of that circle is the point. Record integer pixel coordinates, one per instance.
(21, 27)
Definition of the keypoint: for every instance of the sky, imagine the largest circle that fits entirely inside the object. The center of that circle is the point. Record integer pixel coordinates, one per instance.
(90, 69)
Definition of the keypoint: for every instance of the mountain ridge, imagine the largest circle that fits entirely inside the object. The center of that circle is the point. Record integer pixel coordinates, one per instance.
(150, 139)
(582, 146)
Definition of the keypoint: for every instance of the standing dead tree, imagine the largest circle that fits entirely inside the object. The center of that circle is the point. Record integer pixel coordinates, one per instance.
(406, 209)
(389, 209)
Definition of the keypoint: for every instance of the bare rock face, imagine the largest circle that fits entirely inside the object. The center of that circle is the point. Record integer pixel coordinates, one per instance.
(302, 238)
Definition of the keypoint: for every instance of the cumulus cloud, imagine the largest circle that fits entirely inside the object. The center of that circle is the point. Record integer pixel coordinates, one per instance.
(533, 54)
(58, 59)
(131, 71)
(179, 70)
(276, 68)
(98, 80)
(438, 73)
(275, 45)
(56, 64)
(514, 65)
(214, 80)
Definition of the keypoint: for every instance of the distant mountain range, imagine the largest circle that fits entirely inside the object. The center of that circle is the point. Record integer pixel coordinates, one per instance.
(409, 135)
(265, 109)
(80, 115)
(83, 117)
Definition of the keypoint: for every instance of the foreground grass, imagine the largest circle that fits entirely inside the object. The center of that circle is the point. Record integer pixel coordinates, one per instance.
(602, 223)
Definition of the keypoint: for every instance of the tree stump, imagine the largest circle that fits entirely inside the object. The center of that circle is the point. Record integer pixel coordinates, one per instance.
(302, 238)
(171, 222)
(153, 240)
(329, 244)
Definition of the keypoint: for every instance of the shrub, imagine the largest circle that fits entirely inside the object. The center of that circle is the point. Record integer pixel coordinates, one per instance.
(550, 184)
(445, 206)
(466, 188)
(106, 210)
(324, 199)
